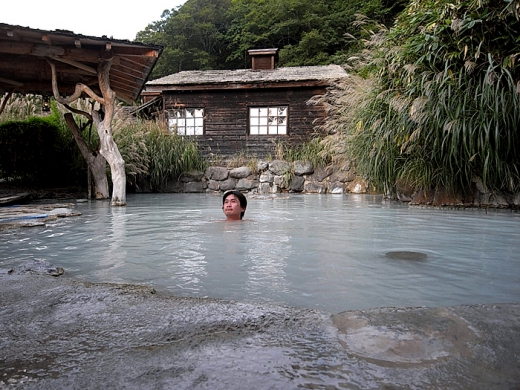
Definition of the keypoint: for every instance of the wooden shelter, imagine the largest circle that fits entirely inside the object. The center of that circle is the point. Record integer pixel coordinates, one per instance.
(245, 110)
(24, 67)
(69, 66)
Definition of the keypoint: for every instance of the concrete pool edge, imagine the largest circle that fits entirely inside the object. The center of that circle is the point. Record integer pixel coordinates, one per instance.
(59, 332)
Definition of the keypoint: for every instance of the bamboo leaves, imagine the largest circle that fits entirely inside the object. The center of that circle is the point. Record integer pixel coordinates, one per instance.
(446, 105)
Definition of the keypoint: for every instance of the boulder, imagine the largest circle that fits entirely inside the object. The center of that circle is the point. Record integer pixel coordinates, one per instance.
(213, 185)
(192, 176)
(266, 177)
(516, 199)
(315, 187)
(228, 184)
(322, 173)
(337, 188)
(262, 166)
(279, 167)
(279, 181)
(266, 188)
(240, 173)
(303, 168)
(172, 186)
(194, 186)
(217, 173)
(296, 184)
(358, 186)
(246, 184)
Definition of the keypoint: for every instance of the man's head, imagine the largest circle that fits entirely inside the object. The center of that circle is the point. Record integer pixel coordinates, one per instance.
(234, 205)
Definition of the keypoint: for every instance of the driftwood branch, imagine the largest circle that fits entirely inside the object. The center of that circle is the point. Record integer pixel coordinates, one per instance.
(108, 94)
(80, 112)
(80, 88)
(76, 132)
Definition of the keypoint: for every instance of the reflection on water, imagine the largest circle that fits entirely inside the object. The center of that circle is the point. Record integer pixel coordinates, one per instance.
(318, 251)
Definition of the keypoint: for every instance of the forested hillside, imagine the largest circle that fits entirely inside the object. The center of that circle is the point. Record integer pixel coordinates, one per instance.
(433, 101)
(216, 34)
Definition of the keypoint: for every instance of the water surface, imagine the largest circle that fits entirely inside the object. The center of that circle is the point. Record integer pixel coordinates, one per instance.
(326, 252)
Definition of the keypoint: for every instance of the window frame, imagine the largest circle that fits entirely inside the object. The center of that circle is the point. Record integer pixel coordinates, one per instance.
(262, 120)
(182, 129)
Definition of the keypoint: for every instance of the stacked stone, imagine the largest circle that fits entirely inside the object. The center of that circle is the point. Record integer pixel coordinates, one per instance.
(274, 177)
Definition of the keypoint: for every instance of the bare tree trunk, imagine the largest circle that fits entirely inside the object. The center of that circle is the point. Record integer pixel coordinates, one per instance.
(110, 151)
(103, 121)
(109, 148)
(95, 161)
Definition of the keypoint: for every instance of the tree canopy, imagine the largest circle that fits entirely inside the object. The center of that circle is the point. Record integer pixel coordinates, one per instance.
(216, 34)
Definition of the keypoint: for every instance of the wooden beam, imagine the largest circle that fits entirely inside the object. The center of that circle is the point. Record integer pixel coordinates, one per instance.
(232, 86)
(22, 48)
(75, 64)
(11, 82)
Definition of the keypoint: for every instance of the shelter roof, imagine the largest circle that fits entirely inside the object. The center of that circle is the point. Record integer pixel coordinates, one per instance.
(225, 79)
(24, 68)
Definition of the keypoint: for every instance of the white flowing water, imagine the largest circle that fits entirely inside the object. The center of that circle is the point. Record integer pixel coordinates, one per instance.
(326, 252)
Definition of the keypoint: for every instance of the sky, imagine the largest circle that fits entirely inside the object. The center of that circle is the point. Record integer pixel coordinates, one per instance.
(113, 18)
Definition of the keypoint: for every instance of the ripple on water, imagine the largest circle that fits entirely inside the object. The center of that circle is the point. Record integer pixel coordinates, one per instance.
(326, 252)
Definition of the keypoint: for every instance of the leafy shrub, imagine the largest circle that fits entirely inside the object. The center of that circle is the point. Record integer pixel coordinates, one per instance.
(37, 152)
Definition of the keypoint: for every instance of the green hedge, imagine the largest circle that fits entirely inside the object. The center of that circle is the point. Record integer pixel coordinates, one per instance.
(38, 152)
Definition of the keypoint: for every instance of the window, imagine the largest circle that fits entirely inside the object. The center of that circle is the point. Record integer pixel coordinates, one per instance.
(268, 120)
(189, 121)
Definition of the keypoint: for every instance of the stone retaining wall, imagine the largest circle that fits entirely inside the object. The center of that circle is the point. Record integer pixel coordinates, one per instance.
(270, 178)
(302, 177)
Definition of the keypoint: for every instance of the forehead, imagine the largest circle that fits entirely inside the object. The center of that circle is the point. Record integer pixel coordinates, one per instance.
(231, 197)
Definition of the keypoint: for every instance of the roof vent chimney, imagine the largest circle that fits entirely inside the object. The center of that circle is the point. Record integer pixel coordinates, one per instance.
(262, 59)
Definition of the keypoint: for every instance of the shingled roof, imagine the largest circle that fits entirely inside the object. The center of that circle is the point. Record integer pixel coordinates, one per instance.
(24, 53)
(241, 78)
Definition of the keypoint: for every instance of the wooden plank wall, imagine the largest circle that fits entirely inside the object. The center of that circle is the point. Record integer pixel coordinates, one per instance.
(226, 118)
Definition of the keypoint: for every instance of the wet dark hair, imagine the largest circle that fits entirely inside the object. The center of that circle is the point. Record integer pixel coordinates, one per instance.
(241, 198)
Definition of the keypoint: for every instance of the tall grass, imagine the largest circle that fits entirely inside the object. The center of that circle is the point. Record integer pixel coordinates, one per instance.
(443, 107)
(170, 156)
(152, 153)
(313, 151)
(21, 107)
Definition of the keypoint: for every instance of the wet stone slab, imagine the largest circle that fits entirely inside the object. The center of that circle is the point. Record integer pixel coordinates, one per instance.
(16, 216)
(56, 332)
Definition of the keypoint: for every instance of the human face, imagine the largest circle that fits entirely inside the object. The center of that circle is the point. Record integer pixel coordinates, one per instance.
(232, 208)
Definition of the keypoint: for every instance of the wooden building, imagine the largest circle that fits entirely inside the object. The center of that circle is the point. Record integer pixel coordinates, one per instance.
(245, 110)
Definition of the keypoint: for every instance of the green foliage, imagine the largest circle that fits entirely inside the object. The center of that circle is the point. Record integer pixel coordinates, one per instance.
(170, 156)
(192, 36)
(313, 151)
(153, 154)
(445, 107)
(216, 34)
(36, 152)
